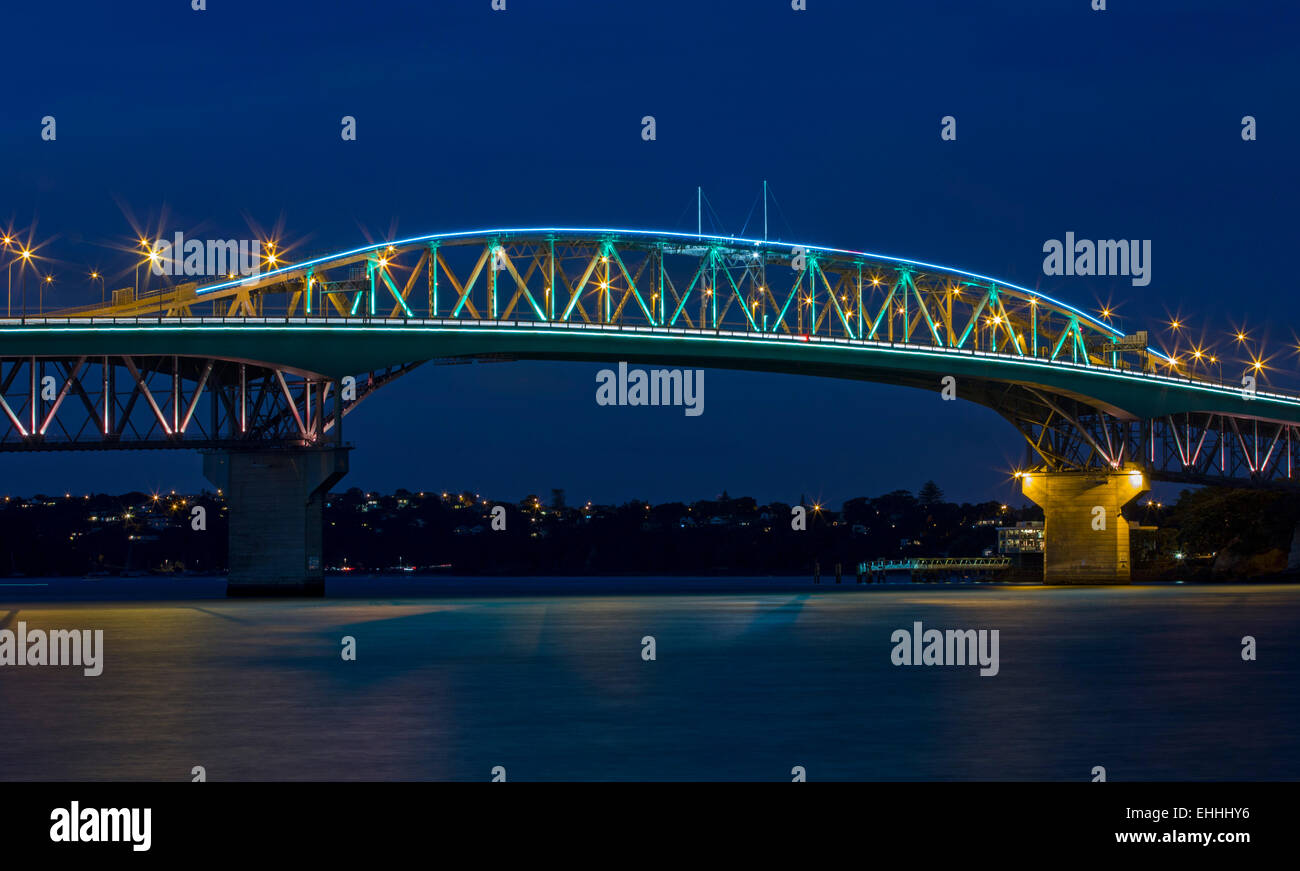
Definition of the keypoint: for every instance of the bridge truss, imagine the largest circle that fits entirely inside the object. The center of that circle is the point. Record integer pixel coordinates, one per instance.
(115, 402)
(633, 281)
(1066, 434)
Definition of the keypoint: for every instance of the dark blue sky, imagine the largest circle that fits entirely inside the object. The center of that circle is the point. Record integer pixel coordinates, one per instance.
(1116, 124)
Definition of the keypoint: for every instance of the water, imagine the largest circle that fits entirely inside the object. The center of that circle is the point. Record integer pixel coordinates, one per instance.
(752, 678)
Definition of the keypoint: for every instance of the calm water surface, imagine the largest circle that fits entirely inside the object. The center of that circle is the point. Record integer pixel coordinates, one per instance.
(752, 678)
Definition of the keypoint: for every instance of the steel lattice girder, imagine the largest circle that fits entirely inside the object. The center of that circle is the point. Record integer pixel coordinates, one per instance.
(53, 403)
(1065, 434)
(649, 278)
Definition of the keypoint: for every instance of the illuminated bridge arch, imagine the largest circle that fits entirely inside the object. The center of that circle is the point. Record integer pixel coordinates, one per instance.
(1082, 394)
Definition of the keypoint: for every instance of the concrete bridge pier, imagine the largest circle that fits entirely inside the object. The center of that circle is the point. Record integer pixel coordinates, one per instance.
(275, 499)
(1085, 538)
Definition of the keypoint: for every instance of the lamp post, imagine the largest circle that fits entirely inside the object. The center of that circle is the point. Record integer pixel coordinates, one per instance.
(9, 270)
(273, 263)
(154, 259)
(49, 279)
(151, 260)
(95, 276)
(22, 276)
(144, 243)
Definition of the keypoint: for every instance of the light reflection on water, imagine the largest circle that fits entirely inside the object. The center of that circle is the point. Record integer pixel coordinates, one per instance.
(1147, 681)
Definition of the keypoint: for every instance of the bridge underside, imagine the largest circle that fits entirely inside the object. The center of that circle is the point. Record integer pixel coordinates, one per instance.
(272, 443)
(1071, 417)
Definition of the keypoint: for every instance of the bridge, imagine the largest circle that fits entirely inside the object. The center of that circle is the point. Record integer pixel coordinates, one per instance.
(259, 371)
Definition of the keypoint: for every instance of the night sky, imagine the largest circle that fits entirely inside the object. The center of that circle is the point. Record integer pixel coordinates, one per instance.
(1117, 124)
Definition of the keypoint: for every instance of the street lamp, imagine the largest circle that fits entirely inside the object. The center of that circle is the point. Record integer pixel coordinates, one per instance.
(95, 276)
(49, 279)
(144, 243)
(9, 301)
(1257, 366)
(154, 259)
(22, 274)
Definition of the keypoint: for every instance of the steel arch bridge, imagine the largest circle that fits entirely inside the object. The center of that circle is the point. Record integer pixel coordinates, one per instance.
(278, 358)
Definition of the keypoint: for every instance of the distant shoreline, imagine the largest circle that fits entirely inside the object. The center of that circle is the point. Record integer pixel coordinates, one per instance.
(162, 588)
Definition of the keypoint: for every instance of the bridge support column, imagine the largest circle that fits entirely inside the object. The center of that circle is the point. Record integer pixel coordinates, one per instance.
(276, 510)
(1085, 538)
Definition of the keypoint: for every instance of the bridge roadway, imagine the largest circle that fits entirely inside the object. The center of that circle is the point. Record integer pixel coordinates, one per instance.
(330, 348)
